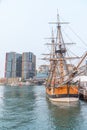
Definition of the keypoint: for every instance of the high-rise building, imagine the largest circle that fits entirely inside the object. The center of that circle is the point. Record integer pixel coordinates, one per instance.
(13, 65)
(20, 65)
(28, 65)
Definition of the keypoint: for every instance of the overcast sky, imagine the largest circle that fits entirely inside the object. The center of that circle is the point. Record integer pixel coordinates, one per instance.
(24, 25)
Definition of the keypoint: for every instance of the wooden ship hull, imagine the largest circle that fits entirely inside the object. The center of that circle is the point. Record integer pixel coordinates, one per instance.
(64, 93)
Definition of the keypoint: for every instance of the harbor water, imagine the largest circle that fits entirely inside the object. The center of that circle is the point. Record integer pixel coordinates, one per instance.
(27, 108)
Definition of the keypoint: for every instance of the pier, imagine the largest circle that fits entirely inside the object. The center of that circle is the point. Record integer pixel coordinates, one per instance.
(83, 94)
(83, 88)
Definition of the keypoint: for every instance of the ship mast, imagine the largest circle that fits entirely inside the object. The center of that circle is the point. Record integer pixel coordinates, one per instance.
(60, 54)
(60, 51)
(58, 64)
(52, 73)
(59, 71)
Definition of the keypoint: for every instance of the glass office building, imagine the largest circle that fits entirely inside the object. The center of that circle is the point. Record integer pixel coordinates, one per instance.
(20, 65)
(28, 65)
(13, 65)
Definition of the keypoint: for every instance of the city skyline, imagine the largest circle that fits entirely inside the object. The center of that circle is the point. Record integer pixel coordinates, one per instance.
(24, 25)
(20, 65)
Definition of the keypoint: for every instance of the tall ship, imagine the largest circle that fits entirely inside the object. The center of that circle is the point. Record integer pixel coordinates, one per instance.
(60, 86)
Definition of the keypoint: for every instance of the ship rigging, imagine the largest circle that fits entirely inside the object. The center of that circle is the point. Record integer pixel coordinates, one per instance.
(59, 84)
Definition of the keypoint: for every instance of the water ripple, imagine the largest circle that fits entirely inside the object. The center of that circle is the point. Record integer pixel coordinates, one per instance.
(27, 108)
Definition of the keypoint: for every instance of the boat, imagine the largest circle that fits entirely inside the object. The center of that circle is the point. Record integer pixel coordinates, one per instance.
(60, 86)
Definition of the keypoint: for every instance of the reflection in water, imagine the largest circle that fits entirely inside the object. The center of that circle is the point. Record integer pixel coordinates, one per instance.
(18, 108)
(27, 108)
(1, 100)
(66, 104)
(64, 115)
